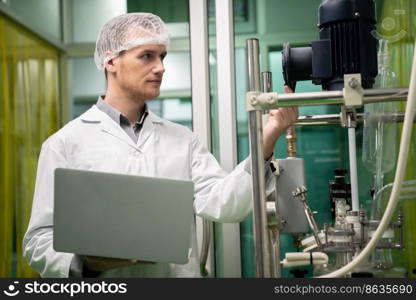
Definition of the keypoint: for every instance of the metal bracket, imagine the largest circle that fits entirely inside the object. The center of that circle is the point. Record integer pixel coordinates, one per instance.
(353, 91)
(273, 218)
(274, 164)
(348, 117)
(261, 101)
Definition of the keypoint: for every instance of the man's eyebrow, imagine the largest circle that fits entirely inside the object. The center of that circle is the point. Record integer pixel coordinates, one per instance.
(164, 53)
(154, 52)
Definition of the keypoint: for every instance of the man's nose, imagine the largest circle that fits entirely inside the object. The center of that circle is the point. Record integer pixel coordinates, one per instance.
(159, 67)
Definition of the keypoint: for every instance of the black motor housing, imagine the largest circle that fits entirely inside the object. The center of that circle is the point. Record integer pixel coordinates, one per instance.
(347, 45)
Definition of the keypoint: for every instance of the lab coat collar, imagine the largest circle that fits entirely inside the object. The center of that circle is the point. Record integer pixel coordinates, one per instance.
(95, 115)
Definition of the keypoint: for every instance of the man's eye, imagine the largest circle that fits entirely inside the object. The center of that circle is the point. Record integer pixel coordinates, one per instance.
(146, 56)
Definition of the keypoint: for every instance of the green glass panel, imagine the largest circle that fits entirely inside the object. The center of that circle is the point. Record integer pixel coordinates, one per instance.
(397, 23)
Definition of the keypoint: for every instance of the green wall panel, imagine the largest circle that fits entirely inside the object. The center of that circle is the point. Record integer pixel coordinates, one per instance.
(168, 10)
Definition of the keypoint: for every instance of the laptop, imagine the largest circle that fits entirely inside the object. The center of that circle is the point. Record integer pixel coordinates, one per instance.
(122, 216)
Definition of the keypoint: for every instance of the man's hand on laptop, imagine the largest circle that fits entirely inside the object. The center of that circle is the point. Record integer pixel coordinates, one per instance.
(101, 264)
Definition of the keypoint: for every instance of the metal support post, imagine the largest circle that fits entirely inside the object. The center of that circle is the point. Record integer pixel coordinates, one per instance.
(261, 238)
(274, 232)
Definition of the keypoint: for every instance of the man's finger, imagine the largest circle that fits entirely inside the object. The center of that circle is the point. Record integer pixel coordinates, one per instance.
(295, 112)
(287, 89)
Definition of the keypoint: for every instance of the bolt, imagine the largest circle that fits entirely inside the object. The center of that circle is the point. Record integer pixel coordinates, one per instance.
(353, 82)
(299, 191)
(270, 99)
(253, 100)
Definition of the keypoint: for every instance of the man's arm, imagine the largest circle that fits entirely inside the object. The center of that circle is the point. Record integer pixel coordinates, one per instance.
(38, 240)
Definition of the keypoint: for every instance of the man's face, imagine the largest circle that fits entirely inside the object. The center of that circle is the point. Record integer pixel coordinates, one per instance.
(138, 72)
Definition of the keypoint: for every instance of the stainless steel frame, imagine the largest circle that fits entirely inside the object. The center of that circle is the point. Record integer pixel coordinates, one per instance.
(261, 238)
(272, 211)
(335, 119)
(329, 98)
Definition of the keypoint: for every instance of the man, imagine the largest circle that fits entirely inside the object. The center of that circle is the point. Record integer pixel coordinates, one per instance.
(120, 135)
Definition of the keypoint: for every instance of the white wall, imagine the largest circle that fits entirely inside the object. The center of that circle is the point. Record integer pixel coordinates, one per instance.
(90, 15)
(177, 76)
(44, 15)
(86, 80)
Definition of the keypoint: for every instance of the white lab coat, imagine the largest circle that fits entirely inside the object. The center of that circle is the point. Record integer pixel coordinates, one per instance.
(165, 149)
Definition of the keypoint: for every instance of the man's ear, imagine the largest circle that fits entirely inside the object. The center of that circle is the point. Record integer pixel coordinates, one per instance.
(111, 66)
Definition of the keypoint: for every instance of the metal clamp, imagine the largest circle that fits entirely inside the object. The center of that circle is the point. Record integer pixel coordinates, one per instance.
(353, 91)
(274, 166)
(261, 101)
(273, 218)
(348, 117)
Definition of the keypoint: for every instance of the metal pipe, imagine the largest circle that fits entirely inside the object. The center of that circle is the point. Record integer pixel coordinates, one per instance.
(336, 97)
(335, 119)
(353, 169)
(253, 65)
(291, 141)
(312, 224)
(300, 194)
(320, 120)
(273, 230)
(261, 238)
(267, 81)
(399, 92)
(274, 237)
